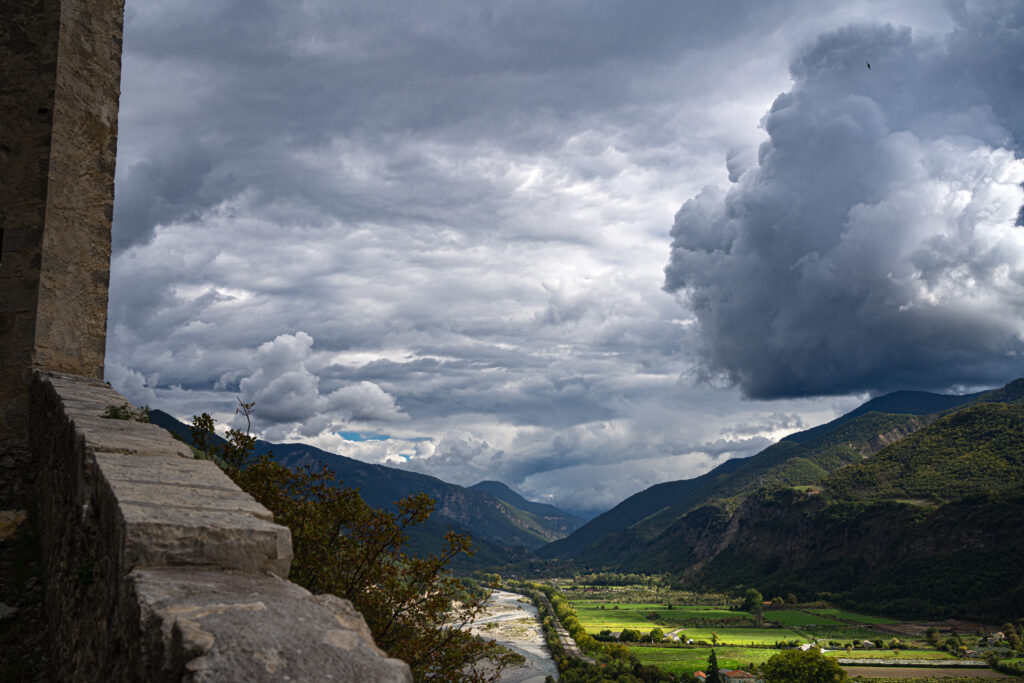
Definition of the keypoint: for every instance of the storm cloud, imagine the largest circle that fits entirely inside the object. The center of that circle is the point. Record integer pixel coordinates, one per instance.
(433, 234)
(875, 244)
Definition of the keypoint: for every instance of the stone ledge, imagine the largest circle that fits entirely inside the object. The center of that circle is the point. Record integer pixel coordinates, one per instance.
(170, 508)
(159, 568)
(229, 626)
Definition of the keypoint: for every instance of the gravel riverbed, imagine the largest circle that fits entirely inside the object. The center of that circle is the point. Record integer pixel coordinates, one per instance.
(511, 620)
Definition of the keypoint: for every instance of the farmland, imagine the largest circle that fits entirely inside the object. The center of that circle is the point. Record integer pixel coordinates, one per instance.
(688, 660)
(694, 625)
(850, 616)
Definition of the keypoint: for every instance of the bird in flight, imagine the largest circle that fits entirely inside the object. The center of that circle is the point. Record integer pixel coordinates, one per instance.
(869, 65)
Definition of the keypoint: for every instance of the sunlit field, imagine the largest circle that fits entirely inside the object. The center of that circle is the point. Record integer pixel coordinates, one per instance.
(795, 617)
(688, 660)
(850, 616)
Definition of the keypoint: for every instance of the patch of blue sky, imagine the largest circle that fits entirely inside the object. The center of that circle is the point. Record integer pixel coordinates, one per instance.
(357, 436)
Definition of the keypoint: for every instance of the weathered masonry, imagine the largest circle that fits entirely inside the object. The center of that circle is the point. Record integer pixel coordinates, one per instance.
(157, 567)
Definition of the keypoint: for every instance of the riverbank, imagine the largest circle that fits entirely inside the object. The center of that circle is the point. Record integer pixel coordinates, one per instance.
(511, 621)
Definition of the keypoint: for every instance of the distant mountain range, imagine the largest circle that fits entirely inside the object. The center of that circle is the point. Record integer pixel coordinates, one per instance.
(503, 524)
(911, 503)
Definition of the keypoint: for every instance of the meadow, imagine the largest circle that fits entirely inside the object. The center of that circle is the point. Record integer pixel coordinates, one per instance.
(687, 660)
(890, 654)
(850, 616)
(614, 616)
(795, 617)
(741, 641)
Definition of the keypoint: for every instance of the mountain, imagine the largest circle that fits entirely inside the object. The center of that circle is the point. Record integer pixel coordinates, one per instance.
(501, 531)
(802, 458)
(563, 521)
(930, 526)
(632, 510)
(911, 513)
(897, 402)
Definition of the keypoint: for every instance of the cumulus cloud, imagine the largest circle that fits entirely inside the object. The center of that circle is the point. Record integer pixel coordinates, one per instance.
(288, 397)
(464, 210)
(873, 246)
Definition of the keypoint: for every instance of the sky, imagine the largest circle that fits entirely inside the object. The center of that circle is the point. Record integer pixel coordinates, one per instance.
(579, 247)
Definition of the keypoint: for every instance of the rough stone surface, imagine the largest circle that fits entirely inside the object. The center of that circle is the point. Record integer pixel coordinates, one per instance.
(28, 63)
(227, 626)
(156, 566)
(10, 520)
(176, 564)
(61, 62)
(115, 466)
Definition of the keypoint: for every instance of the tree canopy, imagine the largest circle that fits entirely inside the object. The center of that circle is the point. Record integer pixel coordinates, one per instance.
(796, 666)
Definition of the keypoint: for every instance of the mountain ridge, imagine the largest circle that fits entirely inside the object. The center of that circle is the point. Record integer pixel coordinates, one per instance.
(673, 499)
(500, 530)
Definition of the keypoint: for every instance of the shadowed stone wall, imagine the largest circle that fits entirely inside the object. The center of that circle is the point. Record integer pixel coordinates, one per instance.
(159, 568)
(58, 107)
(156, 566)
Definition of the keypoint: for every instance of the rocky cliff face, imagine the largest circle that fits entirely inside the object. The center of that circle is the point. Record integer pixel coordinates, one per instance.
(962, 557)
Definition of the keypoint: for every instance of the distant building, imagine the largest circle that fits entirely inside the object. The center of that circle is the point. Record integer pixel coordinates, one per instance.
(731, 675)
(700, 676)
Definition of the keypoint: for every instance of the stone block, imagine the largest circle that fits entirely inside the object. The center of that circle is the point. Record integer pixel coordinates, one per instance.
(230, 626)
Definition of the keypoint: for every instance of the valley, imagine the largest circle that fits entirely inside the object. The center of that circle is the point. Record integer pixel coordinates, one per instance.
(888, 538)
(676, 631)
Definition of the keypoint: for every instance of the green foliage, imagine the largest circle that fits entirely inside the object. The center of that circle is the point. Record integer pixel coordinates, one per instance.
(974, 450)
(126, 411)
(342, 546)
(617, 671)
(712, 668)
(752, 600)
(796, 666)
(629, 635)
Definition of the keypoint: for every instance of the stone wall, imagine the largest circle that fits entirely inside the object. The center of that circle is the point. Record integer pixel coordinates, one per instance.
(159, 568)
(28, 63)
(61, 62)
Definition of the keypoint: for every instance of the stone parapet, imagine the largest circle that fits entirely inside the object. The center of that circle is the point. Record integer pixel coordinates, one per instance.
(158, 567)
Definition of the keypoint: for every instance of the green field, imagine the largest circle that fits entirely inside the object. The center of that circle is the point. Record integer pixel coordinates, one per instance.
(634, 615)
(743, 636)
(850, 616)
(890, 654)
(847, 633)
(687, 660)
(794, 617)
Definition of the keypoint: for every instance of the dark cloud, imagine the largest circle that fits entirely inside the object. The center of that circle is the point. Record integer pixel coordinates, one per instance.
(442, 222)
(873, 246)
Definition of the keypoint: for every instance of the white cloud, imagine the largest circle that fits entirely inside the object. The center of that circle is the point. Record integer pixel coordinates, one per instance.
(465, 212)
(874, 245)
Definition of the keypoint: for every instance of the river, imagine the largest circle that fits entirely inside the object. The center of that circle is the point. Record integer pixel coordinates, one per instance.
(511, 620)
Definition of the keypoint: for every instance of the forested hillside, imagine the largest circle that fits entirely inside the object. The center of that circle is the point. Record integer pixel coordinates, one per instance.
(911, 514)
(800, 459)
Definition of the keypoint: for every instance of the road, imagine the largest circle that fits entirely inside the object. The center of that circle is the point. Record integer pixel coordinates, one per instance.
(571, 648)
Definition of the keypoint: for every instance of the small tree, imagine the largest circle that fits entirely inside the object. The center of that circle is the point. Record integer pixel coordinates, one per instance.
(712, 670)
(798, 666)
(753, 603)
(629, 635)
(752, 600)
